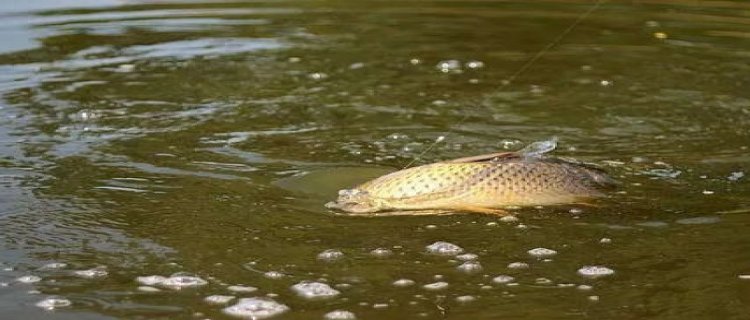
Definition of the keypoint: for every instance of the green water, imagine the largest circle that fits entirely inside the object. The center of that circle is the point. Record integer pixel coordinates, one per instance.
(150, 138)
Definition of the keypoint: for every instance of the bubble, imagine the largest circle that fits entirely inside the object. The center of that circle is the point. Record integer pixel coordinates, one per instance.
(97, 272)
(503, 279)
(256, 308)
(443, 248)
(340, 315)
(491, 224)
(541, 252)
(52, 303)
(314, 290)
(330, 255)
(295, 59)
(381, 252)
(474, 64)
(177, 282)
(28, 279)
(242, 289)
(465, 299)
(147, 289)
(356, 65)
(593, 298)
(403, 283)
(415, 61)
(605, 240)
(660, 35)
(218, 299)
(55, 265)
(595, 271)
(734, 176)
(467, 257)
(605, 83)
(584, 287)
(470, 267)
(744, 276)
(449, 66)
(518, 265)
(509, 219)
(435, 286)
(380, 306)
(317, 76)
(273, 275)
(542, 281)
(150, 280)
(708, 192)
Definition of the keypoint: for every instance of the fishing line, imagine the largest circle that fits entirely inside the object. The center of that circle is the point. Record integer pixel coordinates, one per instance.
(518, 72)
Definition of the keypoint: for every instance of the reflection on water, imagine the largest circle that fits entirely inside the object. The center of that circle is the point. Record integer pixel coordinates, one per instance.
(171, 159)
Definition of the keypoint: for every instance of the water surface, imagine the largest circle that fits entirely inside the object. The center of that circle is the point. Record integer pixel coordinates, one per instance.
(145, 138)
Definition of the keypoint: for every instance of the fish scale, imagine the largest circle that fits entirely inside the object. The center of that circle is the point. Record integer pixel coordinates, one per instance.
(492, 181)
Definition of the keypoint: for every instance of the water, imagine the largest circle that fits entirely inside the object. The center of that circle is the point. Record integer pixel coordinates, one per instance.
(198, 141)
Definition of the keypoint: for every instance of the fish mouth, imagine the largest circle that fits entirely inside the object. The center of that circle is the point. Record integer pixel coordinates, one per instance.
(350, 208)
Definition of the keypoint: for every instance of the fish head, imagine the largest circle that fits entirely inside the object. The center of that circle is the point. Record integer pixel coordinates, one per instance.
(356, 201)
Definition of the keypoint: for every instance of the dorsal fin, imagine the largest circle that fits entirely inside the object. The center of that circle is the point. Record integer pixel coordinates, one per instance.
(498, 156)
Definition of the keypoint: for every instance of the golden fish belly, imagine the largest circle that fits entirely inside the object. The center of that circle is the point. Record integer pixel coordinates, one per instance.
(483, 184)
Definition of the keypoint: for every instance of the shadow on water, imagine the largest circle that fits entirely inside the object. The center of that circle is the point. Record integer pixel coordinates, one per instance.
(150, 138)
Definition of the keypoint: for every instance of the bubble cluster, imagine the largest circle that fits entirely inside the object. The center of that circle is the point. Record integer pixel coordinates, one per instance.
(314, 290)
(255, 308)
(176, 281)
(443, 248)
(595, 271)
(340, 315)
(470, 267)
(541, 252)
(330, 255)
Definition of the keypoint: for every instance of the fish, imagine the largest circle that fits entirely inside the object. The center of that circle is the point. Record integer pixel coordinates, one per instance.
(483, 184)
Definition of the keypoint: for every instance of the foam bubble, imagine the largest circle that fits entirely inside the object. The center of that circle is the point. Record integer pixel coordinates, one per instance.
(28, 279)
(465, 299)
(330, 255)
(518, 265)
(97, 272)
(273, 275)
(218, 299)
(180, 281)
(52, 303)
(380, 306)
(435, 286)
(470, 267)
(509, 219)
(542, 281)
(55, 265)
(242, 289)
(340, 315)
(381, 252)
(467, 257)
(584, 287)
(150, 280)
(446, 66)
(503, 279)
(443, 248)
(595, 271)
(541, 252)
(255, 308)
(475, 64)
(147, 289)
(314, 290)
(403, 283)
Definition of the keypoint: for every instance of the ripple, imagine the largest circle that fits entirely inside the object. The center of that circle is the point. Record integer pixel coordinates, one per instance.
(52, 303)
(699, 220)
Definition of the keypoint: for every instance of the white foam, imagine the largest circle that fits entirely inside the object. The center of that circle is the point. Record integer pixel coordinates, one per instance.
(218, 299)
(52, 303)
(314, 290)
(467, 257)
(381, 252)
(470, 267)
(403, 283)
(28, 279)
(595, 271)
(443, 248)
(440, 285)
(179, 281)
(330, 255)
(148, 289)
(255, 308)
(340, 315)
(97, 272)
(55, 265)
(242, 289)
(541, 252)
(150, 280)
(518, 265)
(502, 279)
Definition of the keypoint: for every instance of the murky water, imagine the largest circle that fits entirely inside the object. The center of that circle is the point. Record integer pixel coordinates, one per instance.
(171, 159)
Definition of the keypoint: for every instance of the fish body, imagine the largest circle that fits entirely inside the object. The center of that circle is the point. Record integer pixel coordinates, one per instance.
(477, 183)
